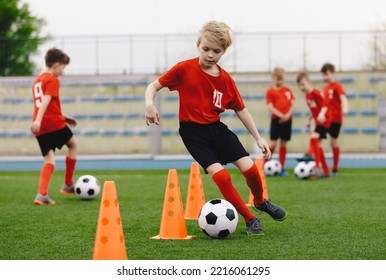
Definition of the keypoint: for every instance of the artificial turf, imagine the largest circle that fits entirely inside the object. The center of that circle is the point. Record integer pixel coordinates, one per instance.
(343, 218)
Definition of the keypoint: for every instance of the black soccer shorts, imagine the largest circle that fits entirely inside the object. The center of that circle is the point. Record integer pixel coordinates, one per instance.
(211, 143)
(280, 130)
(54, 140)
(334, 129)
(322, 130)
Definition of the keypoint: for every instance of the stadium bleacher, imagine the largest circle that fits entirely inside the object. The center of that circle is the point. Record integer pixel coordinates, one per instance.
(110, 111)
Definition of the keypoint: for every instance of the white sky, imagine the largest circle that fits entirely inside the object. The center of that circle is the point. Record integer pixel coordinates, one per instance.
(104, 17)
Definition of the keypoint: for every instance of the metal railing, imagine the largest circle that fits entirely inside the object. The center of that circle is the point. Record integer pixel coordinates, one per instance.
(251, 52)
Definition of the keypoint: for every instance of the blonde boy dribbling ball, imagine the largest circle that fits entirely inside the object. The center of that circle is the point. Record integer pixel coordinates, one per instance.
(49, 125)
(206, 90)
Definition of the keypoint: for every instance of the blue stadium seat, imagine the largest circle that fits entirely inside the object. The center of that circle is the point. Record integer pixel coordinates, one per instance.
(109, 132)
(375, 80)
(80, 116)
(68, 99)
(369, 113)
(170, 98)
(96, 116)
(127, 98)
(115, 116)
(351, 130)
(127, 132)
(296, 130)
(135, 116)
(370, 130)
(169, 115)
(168, 132)
(91, 133)
(369, 95)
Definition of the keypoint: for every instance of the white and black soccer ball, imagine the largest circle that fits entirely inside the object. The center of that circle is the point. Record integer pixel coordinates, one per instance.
(304, 169)
(87, 187)
(218, 218)
(272, 167)
(311, 164)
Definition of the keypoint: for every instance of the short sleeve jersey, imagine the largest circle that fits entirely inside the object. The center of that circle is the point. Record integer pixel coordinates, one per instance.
(281, 99)
(316, 101)
(53, 119)
(333, 91)
(202, 96)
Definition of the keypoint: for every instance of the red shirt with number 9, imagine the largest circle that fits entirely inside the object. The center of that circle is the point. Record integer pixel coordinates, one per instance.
(53, 119)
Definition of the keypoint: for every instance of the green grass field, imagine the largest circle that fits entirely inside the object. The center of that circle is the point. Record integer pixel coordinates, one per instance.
(341, 218)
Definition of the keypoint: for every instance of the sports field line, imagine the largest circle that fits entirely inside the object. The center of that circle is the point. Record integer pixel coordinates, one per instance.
(146, 162)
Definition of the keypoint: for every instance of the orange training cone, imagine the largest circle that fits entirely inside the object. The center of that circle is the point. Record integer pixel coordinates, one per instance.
(109, 240)
(195, 198)
(260, 166)
(172, 221)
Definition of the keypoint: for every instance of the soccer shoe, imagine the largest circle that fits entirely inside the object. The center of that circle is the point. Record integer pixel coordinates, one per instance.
(253, 227)
(67, 190)
(284, 173)
(43, 200)
(306, 157)
(276, 212)
(327, 176)
(317, 173)
(335, 173)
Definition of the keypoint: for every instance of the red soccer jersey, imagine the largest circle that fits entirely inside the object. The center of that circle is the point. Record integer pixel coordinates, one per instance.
(315, 101)
(53, 119)
(333, 91)
(281, 99)
(202, 96)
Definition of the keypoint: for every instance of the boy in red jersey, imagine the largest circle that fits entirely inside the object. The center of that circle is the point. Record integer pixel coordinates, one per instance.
(318, 105)
(50, 125)
(279, 99)
(338, 105)
(205, 91)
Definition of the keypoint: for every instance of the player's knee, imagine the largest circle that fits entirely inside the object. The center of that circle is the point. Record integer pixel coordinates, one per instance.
(49, 158)
(72, 144)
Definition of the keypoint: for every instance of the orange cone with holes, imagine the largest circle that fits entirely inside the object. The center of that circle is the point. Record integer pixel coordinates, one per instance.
(109, 240)
(260, 166)
(172, 221)
(195, 198)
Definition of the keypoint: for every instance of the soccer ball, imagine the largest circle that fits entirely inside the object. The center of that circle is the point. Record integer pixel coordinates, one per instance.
(272, 167)
(304, 169)
(218, 218)
(87, 187)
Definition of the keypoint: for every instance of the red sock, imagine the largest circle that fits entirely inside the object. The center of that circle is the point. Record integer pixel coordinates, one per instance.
(255, 183)
(282, 155)
(45, 177)
(323, 161)
(335, 155)
(223, 180)
(70, 167)
(315, 147)
(310, 150)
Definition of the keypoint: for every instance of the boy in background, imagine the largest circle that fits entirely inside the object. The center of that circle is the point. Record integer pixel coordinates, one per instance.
(338, 105)
(50, 125)
(318, 105)
(279, 99)
(206, 90)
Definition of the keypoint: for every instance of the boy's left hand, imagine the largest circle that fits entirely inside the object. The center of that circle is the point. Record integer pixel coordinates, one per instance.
(264, 148)
(71, 121)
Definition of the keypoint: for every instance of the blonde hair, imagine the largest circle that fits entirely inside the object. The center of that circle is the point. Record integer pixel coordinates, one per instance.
(218, 31)
(278, 72)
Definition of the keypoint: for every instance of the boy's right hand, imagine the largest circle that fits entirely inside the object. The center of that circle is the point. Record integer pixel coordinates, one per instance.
(35, 127)
(152, 115)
